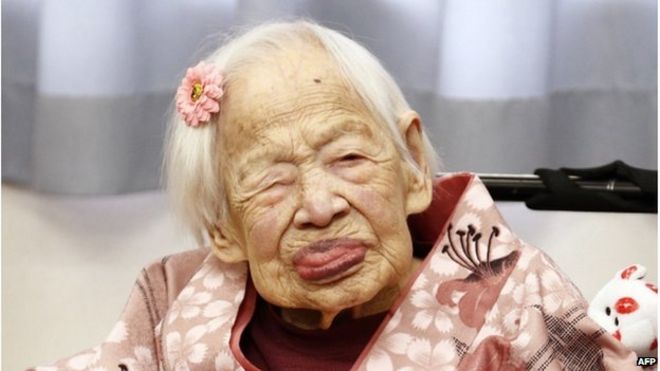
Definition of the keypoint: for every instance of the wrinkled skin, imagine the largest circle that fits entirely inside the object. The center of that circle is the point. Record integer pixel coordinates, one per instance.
(305, 161)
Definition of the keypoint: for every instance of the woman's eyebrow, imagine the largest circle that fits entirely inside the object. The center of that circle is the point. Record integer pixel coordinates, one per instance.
(337, 129)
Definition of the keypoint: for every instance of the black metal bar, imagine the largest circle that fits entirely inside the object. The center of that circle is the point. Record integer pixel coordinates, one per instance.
(519, 187)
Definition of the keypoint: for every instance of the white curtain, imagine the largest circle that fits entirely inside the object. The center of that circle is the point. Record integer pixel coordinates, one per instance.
(502, 85)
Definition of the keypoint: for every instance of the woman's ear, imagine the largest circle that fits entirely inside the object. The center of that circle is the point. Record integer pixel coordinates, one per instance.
(225, 246)
(420, 183)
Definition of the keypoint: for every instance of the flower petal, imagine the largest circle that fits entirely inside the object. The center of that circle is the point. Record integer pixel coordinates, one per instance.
(423, 300)
(213, 281)
(217, 308)
(143, 354)
(394, 321)
(478, 198)
(419, 352)
(442, 265)
(379, 361)
(197, 353)
(81, 362)
(190, 311)
(397, 343)
(197, 111)
(118, 334)
(200, 298)
(550, 280)
(422, 320)
(186, 293)
(443, 353)
(420, 282)
(224, 362)
(443, 323)
(194, 334)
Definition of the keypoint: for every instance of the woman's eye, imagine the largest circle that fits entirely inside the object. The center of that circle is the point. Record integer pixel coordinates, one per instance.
(280, 175)
(278, 183)
(351, 157)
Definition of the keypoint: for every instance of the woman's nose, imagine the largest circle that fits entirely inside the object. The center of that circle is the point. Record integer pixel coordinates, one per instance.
(319, 207)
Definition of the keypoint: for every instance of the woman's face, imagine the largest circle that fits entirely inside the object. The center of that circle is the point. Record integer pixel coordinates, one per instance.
(316, 189)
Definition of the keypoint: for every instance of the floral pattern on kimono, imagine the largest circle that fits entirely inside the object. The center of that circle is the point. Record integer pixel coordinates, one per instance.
(482, 299)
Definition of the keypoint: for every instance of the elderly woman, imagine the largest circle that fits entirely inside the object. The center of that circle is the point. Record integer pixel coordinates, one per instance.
(295, 155)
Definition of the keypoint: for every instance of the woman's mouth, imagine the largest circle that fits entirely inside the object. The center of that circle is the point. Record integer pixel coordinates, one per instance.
(329, 260)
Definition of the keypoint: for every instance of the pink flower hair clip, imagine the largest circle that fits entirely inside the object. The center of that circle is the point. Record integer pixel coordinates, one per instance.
(198, 96)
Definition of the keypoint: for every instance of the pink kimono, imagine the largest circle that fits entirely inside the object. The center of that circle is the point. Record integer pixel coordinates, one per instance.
(481, 300)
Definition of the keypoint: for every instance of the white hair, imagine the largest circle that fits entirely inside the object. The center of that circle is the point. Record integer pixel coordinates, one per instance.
(192, 160)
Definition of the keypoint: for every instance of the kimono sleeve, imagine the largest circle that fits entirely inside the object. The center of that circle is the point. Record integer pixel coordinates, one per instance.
(540, 322)
(134, 341)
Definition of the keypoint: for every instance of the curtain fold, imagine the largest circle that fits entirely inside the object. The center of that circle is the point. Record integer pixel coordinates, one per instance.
(501, 85)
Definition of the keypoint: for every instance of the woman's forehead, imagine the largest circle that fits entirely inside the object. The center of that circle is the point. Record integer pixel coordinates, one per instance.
(309, 128)
(289, 92)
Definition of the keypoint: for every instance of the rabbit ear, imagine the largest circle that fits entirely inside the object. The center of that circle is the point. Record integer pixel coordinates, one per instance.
(632, 272)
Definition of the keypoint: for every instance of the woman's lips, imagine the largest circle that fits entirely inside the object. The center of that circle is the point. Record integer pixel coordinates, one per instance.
(328, 258)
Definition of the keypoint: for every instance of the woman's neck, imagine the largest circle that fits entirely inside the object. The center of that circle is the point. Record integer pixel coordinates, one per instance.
(310, 319)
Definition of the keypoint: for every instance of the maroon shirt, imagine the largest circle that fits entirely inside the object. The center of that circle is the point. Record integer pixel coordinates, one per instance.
(270, 343)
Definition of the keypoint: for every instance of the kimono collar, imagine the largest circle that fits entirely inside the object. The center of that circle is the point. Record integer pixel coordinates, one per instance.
(462, 236)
